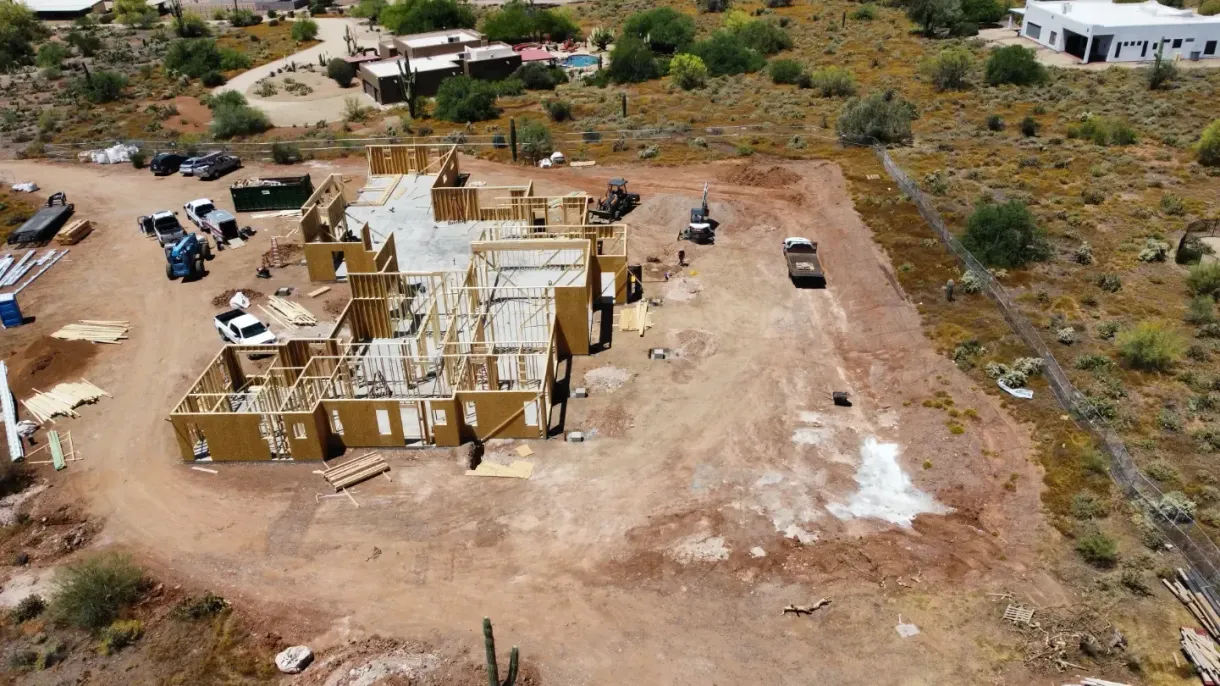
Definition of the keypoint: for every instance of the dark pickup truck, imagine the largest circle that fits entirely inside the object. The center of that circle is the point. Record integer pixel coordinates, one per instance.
(803, 263)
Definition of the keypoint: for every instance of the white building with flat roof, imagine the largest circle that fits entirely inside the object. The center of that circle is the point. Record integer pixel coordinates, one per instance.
(1106, 31)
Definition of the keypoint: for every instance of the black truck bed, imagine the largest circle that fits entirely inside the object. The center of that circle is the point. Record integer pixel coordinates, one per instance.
(43, 226)
(226, 317)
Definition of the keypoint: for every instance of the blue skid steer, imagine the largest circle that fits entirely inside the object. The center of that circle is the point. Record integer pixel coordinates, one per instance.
(185, 259)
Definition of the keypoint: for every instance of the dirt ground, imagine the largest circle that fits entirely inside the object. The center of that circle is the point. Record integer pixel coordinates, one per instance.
(718, 486)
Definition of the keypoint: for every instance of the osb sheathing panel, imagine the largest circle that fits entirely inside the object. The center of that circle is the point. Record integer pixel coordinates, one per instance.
(359, 419)
(447, 171)
(311, 225)
(335, 213)
(370, 319)
(387, 257)
(448, 435)
(317, 434)
(496, 408)
(321, 265)
(455, 204)
(572, 317)
(396, 159)
(231, 437)
(618, 266)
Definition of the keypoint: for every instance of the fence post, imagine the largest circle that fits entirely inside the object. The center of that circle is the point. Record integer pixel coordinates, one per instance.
(512, 136)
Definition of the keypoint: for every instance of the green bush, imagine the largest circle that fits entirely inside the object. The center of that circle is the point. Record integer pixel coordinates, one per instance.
(244, 17)
(365, 9)
(233, 116)
(713, 5)
(341, 72)
(28, 608)
(687, 71)
(102, 86)
(725, 54)
(1208, 148)
(535, 139)
(866, 12)
(1103, 131)
(195, 57)
(285, 153)
(191, 26)
(784, 71)
(632, 62)
(995, 122)
(1161, 72)
(139, 159)
(517, 22)
(558, 110)
(763, 36)
(1014, 64)
(883, 117)
(233, 60)
(52, 54)
(1004, 235)
(983, 11)
(1150, 345)
(212, 79)
(948, 71)
(462, 99)
(119, 635)
(422, 16)
(1209, 8)
(193, 608)
(19, 30)
(509, 87)
(666, 29)
(536, 76)
(304, 30)
(1086, 505)
(833, 82)
(1204, 279)
(90, 594)
(1029, 127)
(934, 15)
(1098, 549)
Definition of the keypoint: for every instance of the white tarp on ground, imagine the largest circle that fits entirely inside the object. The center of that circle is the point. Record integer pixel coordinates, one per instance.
(28, 187)
(115, 154)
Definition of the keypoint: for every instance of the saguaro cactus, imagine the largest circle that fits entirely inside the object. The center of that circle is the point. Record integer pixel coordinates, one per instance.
(406, 80)
(493, 670)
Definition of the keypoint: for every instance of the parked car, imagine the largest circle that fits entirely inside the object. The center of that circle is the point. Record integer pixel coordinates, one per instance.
(189, 166)
(217, 167)
(236, 326)
(164, 225)
(165, 163)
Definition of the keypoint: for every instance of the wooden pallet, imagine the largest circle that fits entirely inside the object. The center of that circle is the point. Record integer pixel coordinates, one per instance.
(75, 232)
(354, 471)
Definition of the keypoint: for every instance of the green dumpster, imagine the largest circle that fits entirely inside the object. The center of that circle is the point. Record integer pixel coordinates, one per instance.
(268, 193)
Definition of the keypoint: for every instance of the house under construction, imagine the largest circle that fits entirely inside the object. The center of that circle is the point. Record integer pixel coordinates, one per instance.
(465, 299)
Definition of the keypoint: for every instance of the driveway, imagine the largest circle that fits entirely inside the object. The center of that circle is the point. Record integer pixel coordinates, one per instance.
(306, 112)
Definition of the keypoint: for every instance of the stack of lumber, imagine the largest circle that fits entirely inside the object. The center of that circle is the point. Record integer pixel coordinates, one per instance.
(62, 400)
(636, 318)
(354, 471)
(97, 331)
(519, 469)
(288, 313)
(75, 232)
(1198, 599)
(1201, 650)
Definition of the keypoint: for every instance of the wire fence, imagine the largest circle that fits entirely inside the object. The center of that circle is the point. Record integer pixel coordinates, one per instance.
(1177, 525)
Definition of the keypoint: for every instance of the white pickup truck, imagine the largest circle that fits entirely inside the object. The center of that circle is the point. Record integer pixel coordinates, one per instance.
(220, 224)
(242, 328)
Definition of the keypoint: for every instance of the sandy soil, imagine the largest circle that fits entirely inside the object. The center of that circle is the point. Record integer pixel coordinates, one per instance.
(719, 485)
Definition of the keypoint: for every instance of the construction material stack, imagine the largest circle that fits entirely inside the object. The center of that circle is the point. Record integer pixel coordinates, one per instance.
(354, 471)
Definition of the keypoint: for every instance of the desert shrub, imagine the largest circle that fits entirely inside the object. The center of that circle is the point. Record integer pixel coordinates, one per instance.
(880, 117)
(233, 116)
(1107, 330)
(837, 82)
(138, 159)
(1097, 549)
(539, 77)
(782, 71)
(517, 21)
(103, 86)
(763, 36)
(119, 635)
(1201, 309)
(1091, 195)
(304, 30)
(1204, 279)
(1169, 421)
(1014, 64)
(713, 5)
(285, 153)
(1029, 127)
(995, 122)
(1150, 345)
(1083, 254)
(192, 608)
(666, 29)
(649, 152)
(341, 72)
(726, 54)
(462, 99)
(934, 15)
(1209, 8)
(1103, 131)
(1086, 505)
(1110, 283)
(1004, 235)
(1176, 507)
(212, 79)
(191, 25)
(421, 16)
(558, 110)
(1066, 335)
(948, 71)
(196, 57)
(1208, 148)
(1154, 251)
(1172, 205)
(28, 608)
(1162, 471)
(632, 62)
(983, 11)
(52, 54)
(19, 30)
(601, 37)
(1161, 72)
(509, 87)
(244, 17)
(687, 71)
(777, 3)
(90, 594)
(535, 139)
(1093, 362)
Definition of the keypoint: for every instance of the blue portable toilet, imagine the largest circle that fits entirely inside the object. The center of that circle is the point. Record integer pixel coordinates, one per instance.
(10, 311)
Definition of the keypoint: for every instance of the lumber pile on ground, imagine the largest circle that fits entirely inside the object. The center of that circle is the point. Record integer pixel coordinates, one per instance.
(288, 313)
(63, 399)
(1198, 598)
(75, 232)
(95, 330)
(1201, 650)
(352, 472)
(519, 469)
(636, 318)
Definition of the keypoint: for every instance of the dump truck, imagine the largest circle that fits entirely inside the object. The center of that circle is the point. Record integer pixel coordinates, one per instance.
(278, 193)
(803, 263)
(45, 223)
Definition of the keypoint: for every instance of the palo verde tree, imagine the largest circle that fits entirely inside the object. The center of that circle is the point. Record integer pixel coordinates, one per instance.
(935, 15)
(421, 16)
(1004, 235)
(665, 29)
(19, 31)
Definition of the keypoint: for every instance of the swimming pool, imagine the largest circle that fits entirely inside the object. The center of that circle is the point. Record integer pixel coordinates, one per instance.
(580, 61)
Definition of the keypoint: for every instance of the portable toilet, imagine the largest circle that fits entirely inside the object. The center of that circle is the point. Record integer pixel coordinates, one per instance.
(10, 312)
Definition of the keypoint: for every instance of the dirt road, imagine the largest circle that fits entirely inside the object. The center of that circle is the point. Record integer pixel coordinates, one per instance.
(719, 485)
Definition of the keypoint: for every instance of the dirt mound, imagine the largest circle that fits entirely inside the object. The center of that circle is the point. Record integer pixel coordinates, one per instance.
(681, 289)
(760, 176)
(289, 253)
(46, 362)
(693, 344)
(606, 378)
(222, 300)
